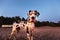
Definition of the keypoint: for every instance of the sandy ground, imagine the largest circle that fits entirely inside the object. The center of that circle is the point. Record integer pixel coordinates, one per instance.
(40, 33)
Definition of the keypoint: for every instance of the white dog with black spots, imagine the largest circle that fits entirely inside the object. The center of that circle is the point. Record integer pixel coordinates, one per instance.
(27, 26)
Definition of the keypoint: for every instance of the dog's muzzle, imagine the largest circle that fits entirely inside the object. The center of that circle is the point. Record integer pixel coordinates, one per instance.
(33, 19)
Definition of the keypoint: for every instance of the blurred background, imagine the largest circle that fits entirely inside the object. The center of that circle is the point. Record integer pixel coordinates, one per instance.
(49, 10)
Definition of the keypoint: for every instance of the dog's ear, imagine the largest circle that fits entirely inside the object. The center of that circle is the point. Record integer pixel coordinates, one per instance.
(30, 11)
(38, 14)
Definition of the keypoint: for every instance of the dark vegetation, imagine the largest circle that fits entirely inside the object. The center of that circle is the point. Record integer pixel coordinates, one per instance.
(10, 20)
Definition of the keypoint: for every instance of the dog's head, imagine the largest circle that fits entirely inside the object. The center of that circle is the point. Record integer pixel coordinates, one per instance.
(33, 14)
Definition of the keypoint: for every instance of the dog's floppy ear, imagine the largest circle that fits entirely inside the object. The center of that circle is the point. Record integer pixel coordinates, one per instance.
(38, 14)
(29, 11)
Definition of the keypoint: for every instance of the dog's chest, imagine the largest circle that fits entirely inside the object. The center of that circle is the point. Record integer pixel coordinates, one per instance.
(30, 24)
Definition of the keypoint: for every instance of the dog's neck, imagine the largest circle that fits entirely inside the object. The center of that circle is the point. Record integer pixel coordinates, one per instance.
(30, 21)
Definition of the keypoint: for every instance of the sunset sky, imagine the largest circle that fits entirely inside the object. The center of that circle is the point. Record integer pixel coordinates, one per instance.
(49, 9)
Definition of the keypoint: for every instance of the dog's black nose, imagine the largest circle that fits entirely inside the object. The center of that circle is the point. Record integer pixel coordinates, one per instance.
(33, 17)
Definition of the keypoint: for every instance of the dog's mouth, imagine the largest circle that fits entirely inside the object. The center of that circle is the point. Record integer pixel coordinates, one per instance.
(32, 20)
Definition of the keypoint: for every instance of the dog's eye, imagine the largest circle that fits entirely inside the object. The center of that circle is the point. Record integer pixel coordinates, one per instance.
(30, 14)
(35, 13)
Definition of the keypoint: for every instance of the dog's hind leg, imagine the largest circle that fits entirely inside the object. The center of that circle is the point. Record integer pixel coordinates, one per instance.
(12, 35)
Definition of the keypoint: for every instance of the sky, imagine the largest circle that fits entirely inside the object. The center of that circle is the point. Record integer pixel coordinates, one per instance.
(49, 9)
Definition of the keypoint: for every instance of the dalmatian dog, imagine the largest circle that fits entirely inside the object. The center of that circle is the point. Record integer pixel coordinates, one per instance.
(32, 14)
(27, 26)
